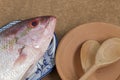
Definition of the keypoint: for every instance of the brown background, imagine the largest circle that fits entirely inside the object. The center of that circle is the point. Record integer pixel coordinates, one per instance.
(69, 13)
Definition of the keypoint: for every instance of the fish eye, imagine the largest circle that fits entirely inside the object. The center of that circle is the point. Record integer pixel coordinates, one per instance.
(34, 23)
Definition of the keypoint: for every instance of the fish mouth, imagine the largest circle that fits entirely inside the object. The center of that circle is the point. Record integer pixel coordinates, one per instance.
(49, 22)
(46, 20)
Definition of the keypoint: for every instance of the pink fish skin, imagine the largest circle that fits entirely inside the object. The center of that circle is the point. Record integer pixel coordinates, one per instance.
(22, 45)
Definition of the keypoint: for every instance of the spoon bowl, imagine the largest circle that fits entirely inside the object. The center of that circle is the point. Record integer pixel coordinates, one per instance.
(87, 54)
(109, 52)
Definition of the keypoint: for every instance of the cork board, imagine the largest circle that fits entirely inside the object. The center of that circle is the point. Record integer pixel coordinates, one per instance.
(69, 13)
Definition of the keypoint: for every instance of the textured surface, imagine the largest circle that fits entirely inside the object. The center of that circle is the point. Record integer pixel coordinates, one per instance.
(69, 13)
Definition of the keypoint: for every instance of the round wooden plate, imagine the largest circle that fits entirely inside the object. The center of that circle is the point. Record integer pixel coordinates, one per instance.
(68, 57)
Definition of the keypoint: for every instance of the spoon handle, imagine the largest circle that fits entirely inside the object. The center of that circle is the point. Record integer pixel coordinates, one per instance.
(89, 72)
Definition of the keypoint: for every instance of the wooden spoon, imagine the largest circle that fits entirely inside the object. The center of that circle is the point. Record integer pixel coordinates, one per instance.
(109, 52)
(87, 54)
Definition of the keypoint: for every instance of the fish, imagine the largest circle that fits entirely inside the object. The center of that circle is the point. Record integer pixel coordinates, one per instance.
(23, 44)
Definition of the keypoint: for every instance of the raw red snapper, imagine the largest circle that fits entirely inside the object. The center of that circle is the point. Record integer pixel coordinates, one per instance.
(23, 44)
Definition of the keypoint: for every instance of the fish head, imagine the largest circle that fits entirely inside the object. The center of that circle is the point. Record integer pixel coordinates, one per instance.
(36, 32)
(23, 44)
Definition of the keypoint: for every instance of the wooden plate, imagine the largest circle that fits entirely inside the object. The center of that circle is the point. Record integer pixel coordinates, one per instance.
(67, 57)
